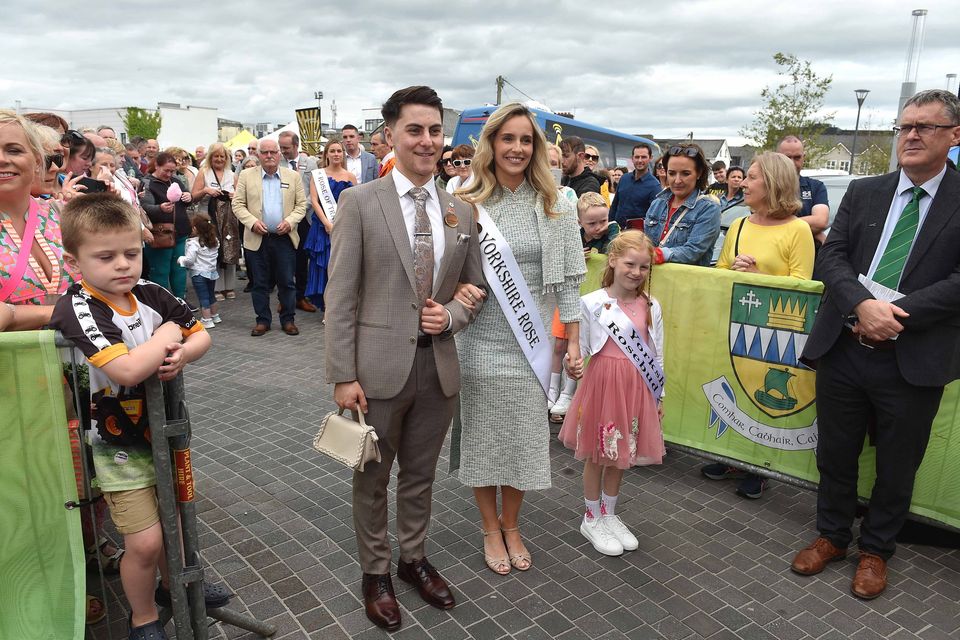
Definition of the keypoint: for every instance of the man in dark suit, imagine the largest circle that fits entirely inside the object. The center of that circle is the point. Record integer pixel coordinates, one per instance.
(885, 363)
(399, 249)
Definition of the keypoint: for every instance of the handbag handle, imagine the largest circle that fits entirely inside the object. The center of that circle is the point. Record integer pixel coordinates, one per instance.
(363, 422)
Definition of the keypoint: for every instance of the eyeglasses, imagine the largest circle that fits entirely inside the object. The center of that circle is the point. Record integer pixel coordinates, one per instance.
(590, 156)
(446, 161)
(53, 159)
(690, 152)
(462, 163)
(923, 129)
(71, 136)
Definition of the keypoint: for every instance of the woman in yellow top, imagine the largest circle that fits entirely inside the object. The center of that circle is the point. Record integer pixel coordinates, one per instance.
(771, 240)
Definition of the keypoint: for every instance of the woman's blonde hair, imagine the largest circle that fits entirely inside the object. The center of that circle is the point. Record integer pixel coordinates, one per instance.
(34, 140)
(324, 160)
(214, 148)
(630, 239)
(780, 179)
(537, 173)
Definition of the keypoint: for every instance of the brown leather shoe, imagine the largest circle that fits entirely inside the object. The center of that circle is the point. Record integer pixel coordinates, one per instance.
(380, 602)
(431, 587)
(813, 559)
(259, 330)
(305, 305)
(871, 577)
(291, 329)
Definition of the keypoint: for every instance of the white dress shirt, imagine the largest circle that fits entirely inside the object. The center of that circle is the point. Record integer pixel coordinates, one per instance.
(355, 166)
(409, 208)
(900, 200)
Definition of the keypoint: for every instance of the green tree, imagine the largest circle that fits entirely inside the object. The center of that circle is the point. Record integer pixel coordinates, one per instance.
(792, 107)
(140, 122)
(875, 159)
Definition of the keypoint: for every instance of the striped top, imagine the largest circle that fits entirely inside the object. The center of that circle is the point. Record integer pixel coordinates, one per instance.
(35, 287)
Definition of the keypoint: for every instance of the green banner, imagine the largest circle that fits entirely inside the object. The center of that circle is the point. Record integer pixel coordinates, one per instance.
(735, 387)
(42, 580)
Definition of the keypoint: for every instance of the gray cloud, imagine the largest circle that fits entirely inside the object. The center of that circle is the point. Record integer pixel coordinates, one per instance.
(666, 68)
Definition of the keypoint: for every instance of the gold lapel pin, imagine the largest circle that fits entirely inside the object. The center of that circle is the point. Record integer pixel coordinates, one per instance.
(451, 220)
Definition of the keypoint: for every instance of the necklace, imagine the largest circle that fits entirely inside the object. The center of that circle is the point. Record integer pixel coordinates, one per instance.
(632, 308)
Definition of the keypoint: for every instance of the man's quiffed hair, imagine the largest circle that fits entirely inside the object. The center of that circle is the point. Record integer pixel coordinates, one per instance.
(411, 95)
(96, 213)
(573, 144)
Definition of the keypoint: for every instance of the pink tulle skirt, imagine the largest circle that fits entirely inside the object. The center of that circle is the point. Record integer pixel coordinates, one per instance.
(613, 420)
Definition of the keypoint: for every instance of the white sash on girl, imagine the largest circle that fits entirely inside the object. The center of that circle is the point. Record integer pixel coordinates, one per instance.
(324, 195)
(505, 279)
(623, 332)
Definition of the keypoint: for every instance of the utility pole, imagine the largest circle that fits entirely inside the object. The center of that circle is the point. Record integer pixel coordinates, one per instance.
(909, 86)
(500, 82)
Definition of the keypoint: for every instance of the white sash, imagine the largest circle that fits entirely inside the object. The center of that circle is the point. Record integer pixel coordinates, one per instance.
(324, 195)
(623, 332)
(505, 279)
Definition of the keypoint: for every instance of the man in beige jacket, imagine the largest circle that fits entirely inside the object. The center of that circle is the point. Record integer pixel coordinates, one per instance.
(269, 202)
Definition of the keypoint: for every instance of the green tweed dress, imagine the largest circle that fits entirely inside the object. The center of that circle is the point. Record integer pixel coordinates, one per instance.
(503, 434)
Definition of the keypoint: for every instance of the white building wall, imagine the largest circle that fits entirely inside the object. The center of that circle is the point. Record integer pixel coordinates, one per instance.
(187, 127)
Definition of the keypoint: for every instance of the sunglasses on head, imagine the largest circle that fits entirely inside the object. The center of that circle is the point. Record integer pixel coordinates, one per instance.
(690, 152)
(590, 156)
(53, 159)
(462, 163)
(72, 136)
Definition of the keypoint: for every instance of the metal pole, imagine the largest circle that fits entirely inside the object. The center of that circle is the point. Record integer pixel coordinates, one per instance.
(909, 86)
(861, 96)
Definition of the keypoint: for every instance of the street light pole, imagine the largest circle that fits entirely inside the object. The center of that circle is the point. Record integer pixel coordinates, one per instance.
(861, 96)
(318, 96)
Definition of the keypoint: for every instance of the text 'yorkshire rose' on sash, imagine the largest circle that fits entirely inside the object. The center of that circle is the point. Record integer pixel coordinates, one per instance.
(506, 281)
(324, 195)
(625, 335)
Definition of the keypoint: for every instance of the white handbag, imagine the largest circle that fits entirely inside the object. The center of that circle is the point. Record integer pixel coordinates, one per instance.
(350, 443)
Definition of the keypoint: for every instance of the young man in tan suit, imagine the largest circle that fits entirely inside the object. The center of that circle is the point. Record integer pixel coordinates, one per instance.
(399, 250)
(270, 202)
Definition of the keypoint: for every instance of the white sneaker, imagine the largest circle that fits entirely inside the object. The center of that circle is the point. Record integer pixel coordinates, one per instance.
(207, 323)
(216, 318)
(600, 537)
(619, 530)
(560, 407)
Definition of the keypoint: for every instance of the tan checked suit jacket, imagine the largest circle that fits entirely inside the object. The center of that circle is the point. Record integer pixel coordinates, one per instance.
(248, 203)
(373, 316)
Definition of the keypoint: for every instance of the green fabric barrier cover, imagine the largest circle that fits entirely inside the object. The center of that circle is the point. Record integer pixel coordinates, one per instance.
(42, 580)
(734, 387)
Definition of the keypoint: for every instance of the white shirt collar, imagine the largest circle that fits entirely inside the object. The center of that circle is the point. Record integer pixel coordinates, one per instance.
(930, 186)
(403, 185)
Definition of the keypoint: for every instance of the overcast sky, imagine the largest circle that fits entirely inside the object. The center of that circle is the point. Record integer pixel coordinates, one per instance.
(666, 68)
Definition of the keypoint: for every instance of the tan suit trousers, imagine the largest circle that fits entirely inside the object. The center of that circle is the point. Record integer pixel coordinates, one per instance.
(411, 427)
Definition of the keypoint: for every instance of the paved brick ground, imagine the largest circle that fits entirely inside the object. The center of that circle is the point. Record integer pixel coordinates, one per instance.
(276, 527)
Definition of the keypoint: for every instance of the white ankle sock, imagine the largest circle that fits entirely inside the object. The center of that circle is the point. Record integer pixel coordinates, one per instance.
(569, 385)
(609, 504)
(592, 509)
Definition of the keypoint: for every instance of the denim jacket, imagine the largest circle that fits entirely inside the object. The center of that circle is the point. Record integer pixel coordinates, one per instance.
(691, 242)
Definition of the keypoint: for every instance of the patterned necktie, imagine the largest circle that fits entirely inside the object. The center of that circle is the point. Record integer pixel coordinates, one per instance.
(895, 255)
(422, 245)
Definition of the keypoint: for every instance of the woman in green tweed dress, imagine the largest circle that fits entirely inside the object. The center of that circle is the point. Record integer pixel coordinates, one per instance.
(502, 437)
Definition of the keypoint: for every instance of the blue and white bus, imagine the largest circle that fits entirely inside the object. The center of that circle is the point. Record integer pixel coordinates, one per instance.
(615, 148)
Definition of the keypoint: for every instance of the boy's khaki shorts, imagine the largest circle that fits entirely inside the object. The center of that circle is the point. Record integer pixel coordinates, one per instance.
(134, 510)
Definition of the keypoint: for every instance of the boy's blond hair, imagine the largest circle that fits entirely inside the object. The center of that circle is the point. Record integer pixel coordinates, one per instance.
(588, 200)
(95, 213)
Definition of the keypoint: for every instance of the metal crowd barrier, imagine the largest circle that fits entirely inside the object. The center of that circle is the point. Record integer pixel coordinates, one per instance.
(170, 439)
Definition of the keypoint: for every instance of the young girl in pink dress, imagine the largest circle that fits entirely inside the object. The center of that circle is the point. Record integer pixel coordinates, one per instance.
(614, 421)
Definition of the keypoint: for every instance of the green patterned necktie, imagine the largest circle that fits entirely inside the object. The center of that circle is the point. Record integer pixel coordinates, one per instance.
(898, 247)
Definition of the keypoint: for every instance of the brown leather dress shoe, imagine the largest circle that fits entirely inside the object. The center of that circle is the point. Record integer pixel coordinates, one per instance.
(431, 587)
(871, 577)
(813, 559)
(380, 602)
(291, 329)
(259, 330)
(305, 305)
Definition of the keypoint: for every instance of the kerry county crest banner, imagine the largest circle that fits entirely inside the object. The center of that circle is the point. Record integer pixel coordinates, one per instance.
(736, 387)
